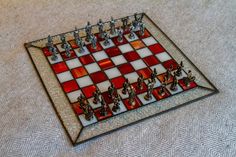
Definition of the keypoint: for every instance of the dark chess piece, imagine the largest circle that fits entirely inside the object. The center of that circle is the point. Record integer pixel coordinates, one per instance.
(96, 96)
(111, 90)
(131, 34)
(54, 53)
(94, 41)
(113, 26)
(63, 40)
(135, 21)
(125, 21)
(168, 73)
(187, 80)
(153, 75)
(88, 30)
(141, 28)
(67, 48)
(174, 86)
(106, 37)
(140, 18)
(85, 106)
(179, 69)
(50, 42)
(161, 92)
(126, 85)
(104, 107)
(100, 28)
(140, 82)
(116, 101)
(120, 35)
(150, 86)
(132, 95)
(79, 42)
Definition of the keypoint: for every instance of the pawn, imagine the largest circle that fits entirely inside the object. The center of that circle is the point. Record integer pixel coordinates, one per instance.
(67, 48)
(126, 85)
(132, 95)
(111, 90)
(96, 96)
(103, 111)
(94, 41)
(106, 37)
(150, 85)
(131, 35)
(116, 101)
(153, 75)
(179, 69)
(140, 82)
(120, 34)
(174, 86)
(54, 52)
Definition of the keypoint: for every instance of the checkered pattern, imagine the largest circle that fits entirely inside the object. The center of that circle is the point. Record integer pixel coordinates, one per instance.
(98, 68)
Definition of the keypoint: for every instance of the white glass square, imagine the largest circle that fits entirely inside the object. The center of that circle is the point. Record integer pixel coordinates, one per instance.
(138, 64)
(144, 52)
(93, 67)
(127, 37)
(65, 76)
(59, 59)
(122, 108)
(79, 54)
(144, 101)
(112, 73)
(179, 89)
(156, 84)
(73, 96)
(87, 122)
(107, 46)
(100, 55)
(73, 63)
(160, 69)
(163, 56)
(123, 96)
(94, 106)
(149, 41)
(119, 60)
(60, 48)
(132, 77)
(103, 86)
(84, 81)
(125, 48)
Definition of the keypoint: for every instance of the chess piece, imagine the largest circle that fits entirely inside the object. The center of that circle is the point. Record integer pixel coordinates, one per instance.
(126, 84)
(174, 86)
(106, 37)
(85, 106)
(111, 90)
(104, 107)
(153, 75)
(161, 92)
(131, 35)
(141, 28)
(63, 40)
(79, 41)
(132, 95)
(187, 80)
(88, 30)
(100, 28)
(150, 86)
(168, 73)
(67, 48)
(113, 26)
(135, 21)
(125, 22)
(94, 41)
(140, 82)
(116, 101)
(120, 35)
(96, 96)
(179, 69)
(54, 52)
(140, 18)
(49, 44)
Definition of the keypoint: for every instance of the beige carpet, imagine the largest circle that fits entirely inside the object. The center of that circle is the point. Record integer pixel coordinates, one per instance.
(204, 29)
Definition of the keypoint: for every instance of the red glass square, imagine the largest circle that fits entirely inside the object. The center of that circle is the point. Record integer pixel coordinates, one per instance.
(131, 56)
(191, 84)
(87, 59)
(156, 48)
(106, 97)
(73, 44)
(130, 107)
(113, 51)
(146, 34)
(146, 72)
(59, 67)
(137, 90)
(98, 77)
(70, 86)
(161, 77)
(169, 63)
(78, 72)
(126, 68)
(117, 43)
(105, 63)
(72, 55)
(118, 81)
(98, 115)
(158, 96)
(88, 91)
(46, 51)
(151, 60)
(91, 49)
(77, 109)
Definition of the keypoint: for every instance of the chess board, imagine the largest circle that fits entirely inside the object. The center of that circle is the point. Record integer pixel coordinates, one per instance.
(97, 68)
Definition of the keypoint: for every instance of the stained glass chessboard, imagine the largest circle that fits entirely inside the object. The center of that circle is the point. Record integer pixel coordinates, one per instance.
(67, 77)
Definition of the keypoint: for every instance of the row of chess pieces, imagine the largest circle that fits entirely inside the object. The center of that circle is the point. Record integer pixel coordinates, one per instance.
(130, 90)
(135, 24)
